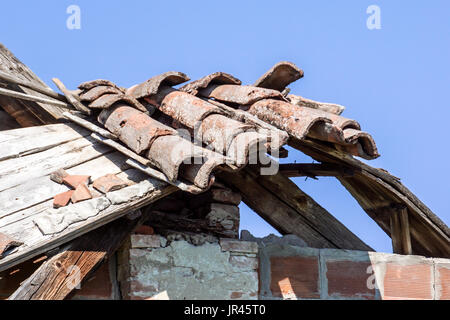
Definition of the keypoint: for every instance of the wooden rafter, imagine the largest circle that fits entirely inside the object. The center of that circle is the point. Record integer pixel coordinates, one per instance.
(291, 211)
(376, 190)
(400, 233)
(314, 170)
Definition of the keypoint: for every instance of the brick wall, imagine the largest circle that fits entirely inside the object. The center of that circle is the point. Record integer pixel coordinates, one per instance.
(288, 272)
(148, 267)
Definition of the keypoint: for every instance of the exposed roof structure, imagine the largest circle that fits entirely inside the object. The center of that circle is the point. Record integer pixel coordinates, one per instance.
(159, 139)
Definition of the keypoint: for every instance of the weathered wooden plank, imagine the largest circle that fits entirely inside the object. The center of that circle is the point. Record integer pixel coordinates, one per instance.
(19, 170)
(34, 98)
(31, 85)
(21, 224)
(56, 278)
(26, 141)
(41, 189)
(89, 125)
(36, 243)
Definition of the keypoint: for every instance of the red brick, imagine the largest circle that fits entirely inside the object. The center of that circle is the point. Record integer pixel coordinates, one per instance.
(108, 183)
(297, 276)
(442, 281)
(98, 287)
(81, 193)
(408, 282)
(62, 199)
(74, 181)
(349, 279)
(144, 229)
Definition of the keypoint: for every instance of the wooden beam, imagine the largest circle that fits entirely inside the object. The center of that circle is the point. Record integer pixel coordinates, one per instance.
(291, 211)
(314, 170)
(400, 233)
(26, 112)
(374, 189)
(31, 97)
(57, 277)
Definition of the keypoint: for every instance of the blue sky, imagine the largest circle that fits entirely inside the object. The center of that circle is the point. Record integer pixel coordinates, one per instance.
(395, 81)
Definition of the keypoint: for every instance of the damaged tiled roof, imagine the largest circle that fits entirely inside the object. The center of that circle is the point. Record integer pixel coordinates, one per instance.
(218, 116)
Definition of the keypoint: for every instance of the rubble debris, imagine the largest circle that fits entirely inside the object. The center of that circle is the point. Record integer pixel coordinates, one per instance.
(109, 182)
(226, 217)
(81, 193)
(62, 199)
(59, 175)
(288, 239)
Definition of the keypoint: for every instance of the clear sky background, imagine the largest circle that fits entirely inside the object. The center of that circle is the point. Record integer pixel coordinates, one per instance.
(395, 81)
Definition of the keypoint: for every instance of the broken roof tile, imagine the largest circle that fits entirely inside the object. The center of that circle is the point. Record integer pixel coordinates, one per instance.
(279, 76)
(108, 183)
(214, 78)
(243, 95)
(74, 180)
(58, 176)
(62, 199)
(81, 193)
